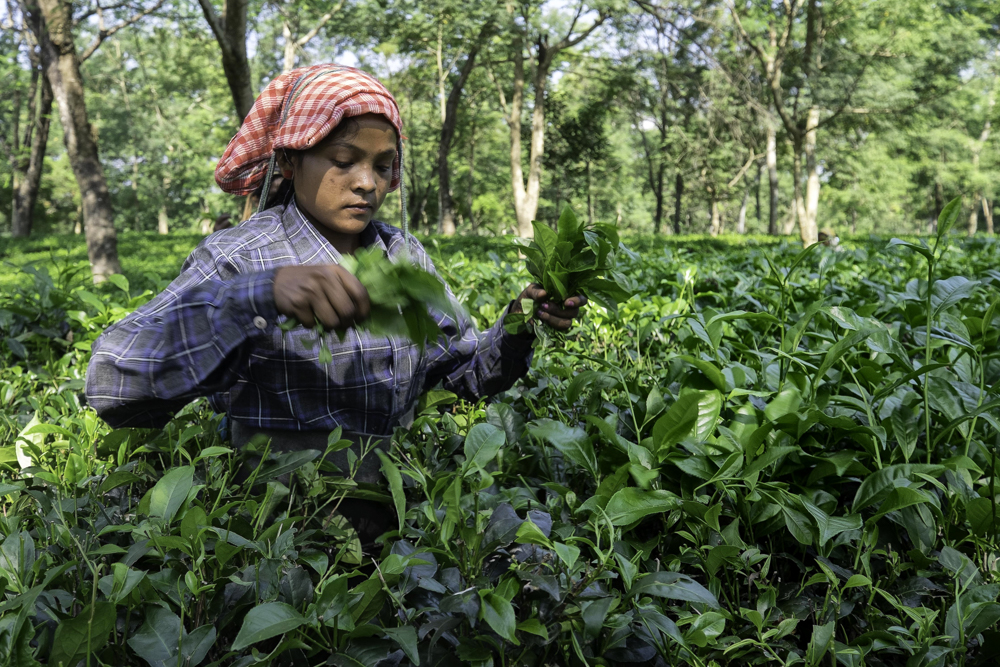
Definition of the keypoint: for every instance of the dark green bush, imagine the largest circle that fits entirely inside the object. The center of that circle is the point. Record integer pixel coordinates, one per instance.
(765, 457)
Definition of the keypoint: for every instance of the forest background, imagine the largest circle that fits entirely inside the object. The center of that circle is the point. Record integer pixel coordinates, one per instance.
(692, 116)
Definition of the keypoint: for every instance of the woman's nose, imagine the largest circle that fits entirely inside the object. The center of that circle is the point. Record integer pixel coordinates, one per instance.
(364, 178)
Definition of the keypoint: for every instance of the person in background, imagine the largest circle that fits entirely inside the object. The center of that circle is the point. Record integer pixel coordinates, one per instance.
(335, 134)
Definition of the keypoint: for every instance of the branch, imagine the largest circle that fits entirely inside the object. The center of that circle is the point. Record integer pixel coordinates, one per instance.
(503, 98)
(790, 9)
(746, 36)
(753, 158)
(96, 9)
(772, 76)
(302, 41)
(572, 24)
(570, 41)
(851, 90)
(8, 24)
(216, 23)
(104, 34)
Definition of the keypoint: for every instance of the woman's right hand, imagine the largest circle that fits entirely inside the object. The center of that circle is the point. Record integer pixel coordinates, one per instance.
(326, 294)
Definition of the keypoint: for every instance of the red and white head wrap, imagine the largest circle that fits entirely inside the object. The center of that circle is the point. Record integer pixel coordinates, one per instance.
(297, 110)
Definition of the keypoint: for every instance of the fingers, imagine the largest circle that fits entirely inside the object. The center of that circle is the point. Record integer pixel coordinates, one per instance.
(534, 292)
(328, 295)
(562, 318)
(560, 323)
(357, 293)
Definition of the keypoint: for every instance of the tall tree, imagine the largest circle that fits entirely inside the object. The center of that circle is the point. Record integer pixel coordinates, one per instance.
(446, 37)
(529, 45)
(53, 26)
(669, 75)
(449, 118)
(26, 150)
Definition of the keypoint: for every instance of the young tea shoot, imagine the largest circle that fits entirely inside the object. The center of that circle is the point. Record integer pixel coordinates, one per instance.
(576, 258)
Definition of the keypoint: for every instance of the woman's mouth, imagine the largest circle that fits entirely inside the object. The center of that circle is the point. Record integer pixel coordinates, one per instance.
(360, 207)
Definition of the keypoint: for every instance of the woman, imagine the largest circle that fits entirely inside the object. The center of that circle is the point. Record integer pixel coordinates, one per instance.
(335, 134)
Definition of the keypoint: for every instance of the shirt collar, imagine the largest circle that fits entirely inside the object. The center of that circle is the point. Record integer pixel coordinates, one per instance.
(310, 246)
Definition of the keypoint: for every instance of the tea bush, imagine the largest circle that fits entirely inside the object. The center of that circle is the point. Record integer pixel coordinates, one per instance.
(767, 456)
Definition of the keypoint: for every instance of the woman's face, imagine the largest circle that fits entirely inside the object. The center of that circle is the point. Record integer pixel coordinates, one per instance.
(342, 181)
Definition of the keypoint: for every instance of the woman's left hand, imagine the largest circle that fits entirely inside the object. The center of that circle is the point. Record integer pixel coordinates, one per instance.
(560, 319)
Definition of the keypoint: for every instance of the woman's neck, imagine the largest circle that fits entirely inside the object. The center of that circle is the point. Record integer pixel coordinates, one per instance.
(346, 244)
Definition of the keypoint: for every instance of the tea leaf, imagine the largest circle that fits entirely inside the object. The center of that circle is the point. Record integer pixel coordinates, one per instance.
(170, 492)
(265, 621)
(631, 504)
(499, 615)
(482, 444)
(675, 586)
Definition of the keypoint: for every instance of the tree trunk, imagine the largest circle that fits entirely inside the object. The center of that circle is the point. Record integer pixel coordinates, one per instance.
(756, 192)
(772, 177)
(678, 194)
(854, 221)
(808, 225)
(534, 185)
(230, 30)
(289, 60)
(741, 219)
(53, 28)
(658, 194)
(974, 215)
(590, 195)
(30, 177)
(449, 118)
(470, 188)
(162, 221)
(716, 225)
(798, 211)
(988, 214)
(521, 206)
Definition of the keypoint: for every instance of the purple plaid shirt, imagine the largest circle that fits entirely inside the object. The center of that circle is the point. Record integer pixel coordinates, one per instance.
(214, 332)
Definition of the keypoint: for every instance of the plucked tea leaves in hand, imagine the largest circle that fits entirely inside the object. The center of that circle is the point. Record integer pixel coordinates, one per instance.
(400, 294)
(576, 258)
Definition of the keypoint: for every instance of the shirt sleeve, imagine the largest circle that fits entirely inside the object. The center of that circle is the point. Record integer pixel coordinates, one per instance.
(471, 363)
(185, 343)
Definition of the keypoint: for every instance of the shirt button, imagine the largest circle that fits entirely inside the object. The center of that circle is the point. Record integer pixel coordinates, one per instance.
(260, 322)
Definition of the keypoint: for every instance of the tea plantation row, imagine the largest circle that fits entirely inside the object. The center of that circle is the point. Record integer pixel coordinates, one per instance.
(766, 457)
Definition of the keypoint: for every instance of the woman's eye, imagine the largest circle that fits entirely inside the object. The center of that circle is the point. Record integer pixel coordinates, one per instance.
(342, 165)
(384, 168)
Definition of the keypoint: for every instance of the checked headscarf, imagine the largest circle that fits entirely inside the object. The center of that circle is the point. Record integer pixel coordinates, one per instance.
(296, 111)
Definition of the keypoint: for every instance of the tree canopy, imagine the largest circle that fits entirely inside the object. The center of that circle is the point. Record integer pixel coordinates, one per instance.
(676, 115)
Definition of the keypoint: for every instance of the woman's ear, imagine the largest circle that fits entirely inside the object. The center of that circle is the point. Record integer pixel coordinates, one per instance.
(285, 165)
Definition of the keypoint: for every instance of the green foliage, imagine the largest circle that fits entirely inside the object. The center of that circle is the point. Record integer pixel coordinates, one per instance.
(738, 467)
(575, 258)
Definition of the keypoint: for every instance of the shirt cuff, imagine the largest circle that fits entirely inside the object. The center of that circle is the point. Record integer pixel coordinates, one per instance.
(250, 300)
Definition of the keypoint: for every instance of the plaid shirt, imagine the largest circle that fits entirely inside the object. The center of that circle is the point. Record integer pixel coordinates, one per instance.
(214, 332)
